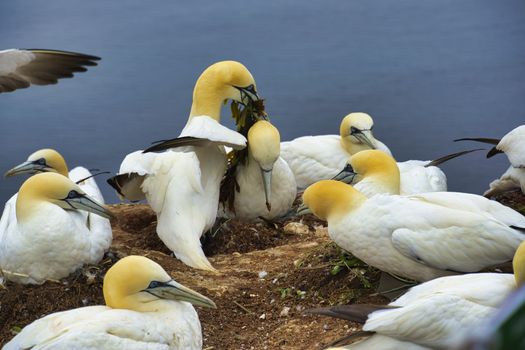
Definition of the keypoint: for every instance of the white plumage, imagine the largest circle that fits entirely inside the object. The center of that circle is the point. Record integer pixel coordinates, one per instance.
(420, 237)
(51, 242)
(264, 174)
(182, 186)
(513, 145)
(139, 320)
(21, 68)
(314, 158)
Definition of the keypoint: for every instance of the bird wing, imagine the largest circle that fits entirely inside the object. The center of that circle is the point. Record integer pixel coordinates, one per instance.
(438, 320)
(452, 239)
(202, 131)
(176, 194)
(512, 179)
(20, 68)
(50, 327)
(99, 227)
(513, 144)
(416, 178)
(474, 204)
(314, 158)
(8, 216)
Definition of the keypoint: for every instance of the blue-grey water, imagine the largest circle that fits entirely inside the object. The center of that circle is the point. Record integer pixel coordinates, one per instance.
(427, 71)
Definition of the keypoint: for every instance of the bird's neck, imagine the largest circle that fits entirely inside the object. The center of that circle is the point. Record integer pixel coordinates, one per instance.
(352, 148)
(207, 101)
(382, 183)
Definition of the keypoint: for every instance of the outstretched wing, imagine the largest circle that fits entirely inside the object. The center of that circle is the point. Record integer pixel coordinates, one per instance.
(19, 68)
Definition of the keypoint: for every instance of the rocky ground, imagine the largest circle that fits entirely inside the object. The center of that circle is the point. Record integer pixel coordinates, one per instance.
(268, 275)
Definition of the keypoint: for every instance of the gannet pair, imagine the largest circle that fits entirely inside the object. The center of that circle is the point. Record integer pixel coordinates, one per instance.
(436, 314)
(145, 309)
(182, 184)
(42, 235)
(420, 237)
(264, 172)
(513, 145)
(315, 158)
(20, 68)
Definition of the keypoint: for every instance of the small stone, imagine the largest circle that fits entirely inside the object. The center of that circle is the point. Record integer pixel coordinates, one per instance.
(326, 327)
(263, 274)
(263, 317)
(285, 311)
(296, 228)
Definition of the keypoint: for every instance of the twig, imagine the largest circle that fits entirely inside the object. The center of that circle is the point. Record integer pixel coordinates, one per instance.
(242, 307)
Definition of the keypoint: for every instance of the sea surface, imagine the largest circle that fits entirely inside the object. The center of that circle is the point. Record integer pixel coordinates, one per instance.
(427, 71)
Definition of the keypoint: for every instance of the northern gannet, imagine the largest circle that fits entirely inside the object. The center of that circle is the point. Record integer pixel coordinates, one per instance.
(20, 68)
(314, 158)
(439, 313)
(182, 184)
(145, 309)
(266, 185)
(513, 145)
(45, 235)
(374, 171)
(420, 237)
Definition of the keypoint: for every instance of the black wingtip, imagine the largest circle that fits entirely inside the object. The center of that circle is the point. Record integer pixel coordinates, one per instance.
(113, 182)
(493, 151)
(480, 139)
(448, 157)
(357, 312)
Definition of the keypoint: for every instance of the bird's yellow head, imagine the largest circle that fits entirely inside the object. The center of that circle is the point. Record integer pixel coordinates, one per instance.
(378, 167)
(44, 160)
(356, 132)
(329, 199)
(518, 264)
(225, 80)
(140, 284)
(56, 189)
(264, 145)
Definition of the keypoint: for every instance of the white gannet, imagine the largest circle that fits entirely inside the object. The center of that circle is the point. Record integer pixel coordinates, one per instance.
(266, 185)
(420, 237)
(47, 236)
(49, 160)
(19, 68)
(439, 313)
(182, 185)
(314, 158)
(513, 145)
(373, 171)
(145, 309)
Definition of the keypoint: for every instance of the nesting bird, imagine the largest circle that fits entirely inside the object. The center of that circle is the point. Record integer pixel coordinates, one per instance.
(437, 314)
(20, 68)
(182, 184)
(145, 309)
(374, 171)
(419, 237)
(45, 234)
(315, 158)
(264, 172)
(513, 145)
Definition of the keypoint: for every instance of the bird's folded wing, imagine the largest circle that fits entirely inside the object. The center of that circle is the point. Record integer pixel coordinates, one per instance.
(8, 215)
(21, 68)
(474, 204)
(460, 242)
(86, 182)
(434, 321)
(202, 131)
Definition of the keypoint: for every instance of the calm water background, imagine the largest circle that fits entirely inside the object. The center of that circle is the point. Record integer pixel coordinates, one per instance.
(427, 71)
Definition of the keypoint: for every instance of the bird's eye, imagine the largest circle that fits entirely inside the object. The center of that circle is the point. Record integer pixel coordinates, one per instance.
(154, 284)
(354, 130)
(250, 88)
(73, 194)
(41, 161)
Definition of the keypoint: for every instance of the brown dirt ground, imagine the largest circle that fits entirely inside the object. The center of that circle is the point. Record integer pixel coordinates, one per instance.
(253, 312)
